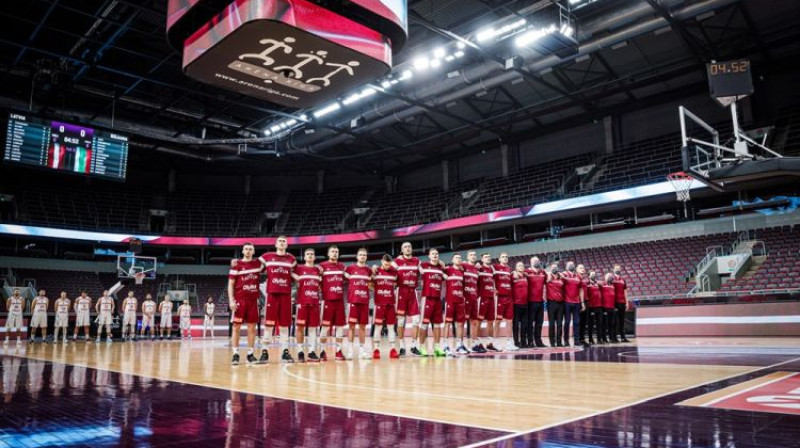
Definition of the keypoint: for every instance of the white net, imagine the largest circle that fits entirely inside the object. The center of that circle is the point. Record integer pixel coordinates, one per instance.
(682, 183)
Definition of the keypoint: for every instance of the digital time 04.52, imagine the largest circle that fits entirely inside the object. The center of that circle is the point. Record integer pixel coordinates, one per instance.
(730, 67)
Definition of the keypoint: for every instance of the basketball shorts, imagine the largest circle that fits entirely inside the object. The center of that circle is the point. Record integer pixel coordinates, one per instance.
(82, 319)
(472, 307)
(333, 314)
(487, 310)
(62, 320)
(39, 320)
(186, 323)
(279, 310)
(433, 311)
(308, 315)
(505, 309)
(129, 319)
(407, 302)
(385, 314)
(166, 320)
(359, 313)
(455, 312)
(246, 311)
(104, 318)
(14, 321)
(148, 321)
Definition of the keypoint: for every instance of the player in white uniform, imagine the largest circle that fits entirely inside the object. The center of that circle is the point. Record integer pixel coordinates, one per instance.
(39, 315)
(105, 309)
(165, 307)
(83, 305)
(185, 313)
(129, 318)
(14, 305)
(208, 321)
(62, 317)
(148, 315)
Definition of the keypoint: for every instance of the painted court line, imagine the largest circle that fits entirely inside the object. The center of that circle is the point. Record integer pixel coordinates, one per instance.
(616, 408)
(757, 386)
(429, 395)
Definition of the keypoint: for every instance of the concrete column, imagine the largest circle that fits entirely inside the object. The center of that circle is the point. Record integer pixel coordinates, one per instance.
(504, 154)
(445, 175)
(320, 181)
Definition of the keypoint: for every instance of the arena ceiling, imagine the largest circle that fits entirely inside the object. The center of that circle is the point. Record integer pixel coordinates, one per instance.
(96, 61)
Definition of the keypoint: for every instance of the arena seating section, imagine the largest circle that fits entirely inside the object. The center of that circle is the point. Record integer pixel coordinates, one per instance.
(781, 269)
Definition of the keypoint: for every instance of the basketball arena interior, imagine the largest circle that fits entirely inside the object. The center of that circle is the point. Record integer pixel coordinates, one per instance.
(400, 223)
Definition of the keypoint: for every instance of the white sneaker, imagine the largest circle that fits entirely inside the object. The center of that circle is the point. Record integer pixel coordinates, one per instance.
(510, 347)
(349, 354)
(97, 340)
(364, 355)
(108, 339)
(462, 350)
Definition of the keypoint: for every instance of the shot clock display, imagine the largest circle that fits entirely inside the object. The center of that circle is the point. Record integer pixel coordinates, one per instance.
(730, 79)
(65, 147)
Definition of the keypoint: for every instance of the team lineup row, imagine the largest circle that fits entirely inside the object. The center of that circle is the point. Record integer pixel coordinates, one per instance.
(455, 293)
(104, 307)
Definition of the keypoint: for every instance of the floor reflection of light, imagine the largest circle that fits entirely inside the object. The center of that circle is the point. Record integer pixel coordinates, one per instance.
(76, 435)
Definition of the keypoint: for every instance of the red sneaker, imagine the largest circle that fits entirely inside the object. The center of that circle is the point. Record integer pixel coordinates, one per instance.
(340, 356)
(376, 354)
(393, 354)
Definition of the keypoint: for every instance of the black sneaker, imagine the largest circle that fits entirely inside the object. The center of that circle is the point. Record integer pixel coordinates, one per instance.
(415, 351)
(251, 359)
(301, 357)
(264, 357)
(312, 357)
(235, 359)
(402, 352)
(286, 357)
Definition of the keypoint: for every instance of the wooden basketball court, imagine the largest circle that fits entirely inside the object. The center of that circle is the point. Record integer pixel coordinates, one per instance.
(509, 395)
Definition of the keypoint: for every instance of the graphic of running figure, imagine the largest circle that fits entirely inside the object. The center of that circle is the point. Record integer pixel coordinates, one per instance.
(273, 46)
(326, 80)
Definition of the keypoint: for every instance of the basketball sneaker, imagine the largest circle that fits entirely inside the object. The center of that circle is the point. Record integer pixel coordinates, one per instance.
(287, 357)
(235, 359)
(312, 357)
(322, 356)
(423, 351)
(478, 349)
(393, 354)
(449, 353)
(108, 339)
(415, 351)
(264, 357)
(461, 350)
(364, 354)
(438, 352)
(490, 348)
(251, 359)
(376, 354)
(301, 357)
(340, 356)
(402, 352)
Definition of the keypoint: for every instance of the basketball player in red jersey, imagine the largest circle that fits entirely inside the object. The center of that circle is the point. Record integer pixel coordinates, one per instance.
(333, 315)
(455, 305)
(607, 298)
(505, 304)
(385, 281)
(594, 303)
(472, 301)
(486, 291)
(536, 278)
(308, 278)
(555, 306)
(278, 266)
(620, 301)
(407, 267)
(432, 285)
(358, 278)
(243, 279)
(584, 314)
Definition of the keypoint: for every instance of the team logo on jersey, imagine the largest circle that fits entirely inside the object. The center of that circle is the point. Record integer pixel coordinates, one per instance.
(311, 294)
(250, 288)
(337, 289)
(280, 281)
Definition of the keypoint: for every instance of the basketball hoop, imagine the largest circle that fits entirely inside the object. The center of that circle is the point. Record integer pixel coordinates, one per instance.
(138, 277)
(682, 183)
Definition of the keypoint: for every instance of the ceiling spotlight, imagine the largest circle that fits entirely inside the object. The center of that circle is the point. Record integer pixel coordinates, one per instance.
(386, 84)
(485, 34)
(275, 129)
(436, 63)
(407, 74)
(459, 54)
(304, 117)
(421, 63)
(439, 53)
(291, 122)
(460, 45)
(267, 132)
(449, 58)
(333, 107)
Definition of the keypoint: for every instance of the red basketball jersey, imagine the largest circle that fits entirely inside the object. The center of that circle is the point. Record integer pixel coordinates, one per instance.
(279, 272)
(246, 275)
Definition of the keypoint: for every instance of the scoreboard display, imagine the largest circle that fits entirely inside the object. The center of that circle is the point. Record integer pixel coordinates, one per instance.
(65, 147)
(729, 79)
